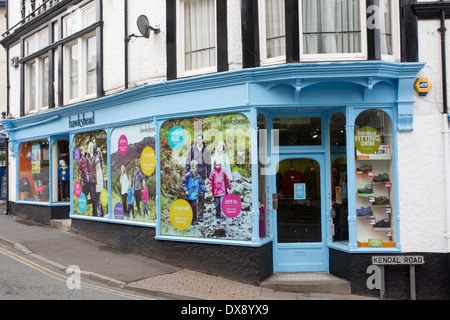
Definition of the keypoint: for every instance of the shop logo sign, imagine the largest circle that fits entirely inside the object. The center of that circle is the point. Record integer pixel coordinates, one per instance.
(367, 140)
(81, 120)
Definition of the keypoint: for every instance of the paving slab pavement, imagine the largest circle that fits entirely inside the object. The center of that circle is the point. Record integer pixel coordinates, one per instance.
(104, 263)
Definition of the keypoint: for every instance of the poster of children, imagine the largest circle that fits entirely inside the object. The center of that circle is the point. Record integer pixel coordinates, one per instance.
(90, 174)
(133, 175)
(206, 189)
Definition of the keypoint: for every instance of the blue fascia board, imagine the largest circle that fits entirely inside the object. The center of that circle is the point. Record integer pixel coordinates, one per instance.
(362, 72)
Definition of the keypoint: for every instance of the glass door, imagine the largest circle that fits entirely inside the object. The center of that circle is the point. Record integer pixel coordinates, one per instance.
(299, 239)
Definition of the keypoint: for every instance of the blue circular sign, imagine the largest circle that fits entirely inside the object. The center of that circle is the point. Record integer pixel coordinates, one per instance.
(82, 203)
(176, 137)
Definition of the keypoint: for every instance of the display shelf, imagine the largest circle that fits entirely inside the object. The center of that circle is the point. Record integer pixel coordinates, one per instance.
(386, 244)
(382, 228)
(365, 195)
(382, 182)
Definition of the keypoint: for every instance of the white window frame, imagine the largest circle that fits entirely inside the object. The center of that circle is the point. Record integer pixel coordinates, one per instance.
(35, 102)
(181, 67)
(262, 37)
(78, 23)
(82, 54)
(336, 56)
(77, 16)
(395, 24)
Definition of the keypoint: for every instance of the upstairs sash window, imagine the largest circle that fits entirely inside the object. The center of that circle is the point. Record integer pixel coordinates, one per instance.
(332, 29)
(197, 51)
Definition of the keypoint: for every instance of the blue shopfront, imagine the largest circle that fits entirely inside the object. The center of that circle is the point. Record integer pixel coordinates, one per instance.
(239, 174)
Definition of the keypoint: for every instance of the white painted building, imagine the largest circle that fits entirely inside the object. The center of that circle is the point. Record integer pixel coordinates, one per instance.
(323, 74)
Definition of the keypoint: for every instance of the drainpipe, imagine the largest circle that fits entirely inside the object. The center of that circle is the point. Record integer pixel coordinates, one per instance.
(125, 21)
(443, 30)
(445, 127)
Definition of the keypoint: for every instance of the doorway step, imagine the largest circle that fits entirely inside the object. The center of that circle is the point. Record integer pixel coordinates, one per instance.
(61, 224)
(307, 282)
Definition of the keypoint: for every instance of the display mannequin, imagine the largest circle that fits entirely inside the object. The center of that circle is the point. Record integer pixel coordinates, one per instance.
(290, 177)
(64, 179)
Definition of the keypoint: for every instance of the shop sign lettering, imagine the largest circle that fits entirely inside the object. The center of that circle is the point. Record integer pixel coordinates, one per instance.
(81, 120)
(391, 260)
(367, 140)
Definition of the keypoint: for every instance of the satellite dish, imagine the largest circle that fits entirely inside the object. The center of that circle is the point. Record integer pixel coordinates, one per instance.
(144, 26)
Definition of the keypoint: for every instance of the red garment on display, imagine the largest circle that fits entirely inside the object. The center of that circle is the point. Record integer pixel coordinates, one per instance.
(289, 178)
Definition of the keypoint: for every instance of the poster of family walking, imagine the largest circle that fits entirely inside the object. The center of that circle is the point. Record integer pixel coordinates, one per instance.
(133, 175)
(206, 189)
(90, 174)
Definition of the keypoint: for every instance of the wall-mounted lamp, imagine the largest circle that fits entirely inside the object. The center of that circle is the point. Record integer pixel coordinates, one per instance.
(144, 28)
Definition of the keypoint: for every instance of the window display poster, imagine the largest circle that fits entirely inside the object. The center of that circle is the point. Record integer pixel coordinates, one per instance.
(36, 158)
(90, 174)
(206, 186)
(367, 140)
(133, 175)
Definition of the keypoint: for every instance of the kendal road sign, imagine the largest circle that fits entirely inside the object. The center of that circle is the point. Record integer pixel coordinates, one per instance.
(389, 260)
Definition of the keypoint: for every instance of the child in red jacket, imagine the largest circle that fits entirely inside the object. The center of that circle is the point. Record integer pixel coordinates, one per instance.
(219, 182)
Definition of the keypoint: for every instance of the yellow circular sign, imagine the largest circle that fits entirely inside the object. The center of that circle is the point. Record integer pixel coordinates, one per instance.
(181, 214)
(148, 161)
(104, 197)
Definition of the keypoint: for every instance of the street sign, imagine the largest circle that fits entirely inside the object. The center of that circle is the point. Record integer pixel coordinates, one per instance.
(396, 260)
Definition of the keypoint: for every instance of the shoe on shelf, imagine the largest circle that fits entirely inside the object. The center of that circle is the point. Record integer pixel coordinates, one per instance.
(364, 212)
(382, 177)
(365, 167)
(385, 223)
(367, 189)
(381, 201)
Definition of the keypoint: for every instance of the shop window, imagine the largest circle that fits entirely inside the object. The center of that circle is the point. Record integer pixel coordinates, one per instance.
(206, 178)
(61, 171)
(308, 131)
(339, 194)
(133, 175)
(263, 177)
(90, 184)
(374, 180)
(34, 171)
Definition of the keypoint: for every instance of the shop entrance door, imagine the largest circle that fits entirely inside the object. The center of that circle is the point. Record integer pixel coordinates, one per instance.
(299, 233)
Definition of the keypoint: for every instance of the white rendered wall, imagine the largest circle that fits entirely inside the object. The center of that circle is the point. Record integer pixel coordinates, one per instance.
(14, 81)
(147, 57)
(421, 156)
